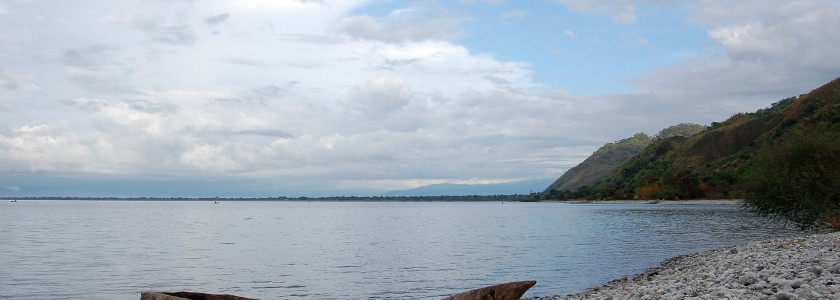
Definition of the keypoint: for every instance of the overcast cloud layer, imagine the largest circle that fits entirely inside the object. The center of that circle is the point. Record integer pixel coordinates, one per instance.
(332, 96)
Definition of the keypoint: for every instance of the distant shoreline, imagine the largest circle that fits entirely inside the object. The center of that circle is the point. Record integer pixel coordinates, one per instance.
(443, 198)
(469, 198)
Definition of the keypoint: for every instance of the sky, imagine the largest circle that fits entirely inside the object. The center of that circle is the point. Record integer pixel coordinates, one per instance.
(329, 97)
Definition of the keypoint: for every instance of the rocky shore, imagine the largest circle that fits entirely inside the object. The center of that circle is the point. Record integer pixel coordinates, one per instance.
(660, 202)
(797, 268)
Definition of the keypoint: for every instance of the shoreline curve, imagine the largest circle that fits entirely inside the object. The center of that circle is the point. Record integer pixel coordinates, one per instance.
(657, 202)
(805, 267)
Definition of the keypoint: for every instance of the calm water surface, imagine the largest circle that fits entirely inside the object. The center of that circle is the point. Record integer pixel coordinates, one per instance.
(346, 250)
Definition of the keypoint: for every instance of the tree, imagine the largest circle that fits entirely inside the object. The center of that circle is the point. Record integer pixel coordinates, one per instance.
(688, 183)
(798, 179)
(586, 192)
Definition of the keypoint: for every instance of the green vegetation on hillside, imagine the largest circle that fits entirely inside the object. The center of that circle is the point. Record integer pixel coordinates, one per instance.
(683, 130)
(783, 159)
(609, 157)
(799, 179)
(600, 164)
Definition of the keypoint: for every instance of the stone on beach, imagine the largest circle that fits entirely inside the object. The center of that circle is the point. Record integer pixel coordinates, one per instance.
(795, 268)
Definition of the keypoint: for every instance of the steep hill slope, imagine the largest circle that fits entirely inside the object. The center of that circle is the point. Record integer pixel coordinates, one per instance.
(606, 159)
(601, 163)
(710, 164)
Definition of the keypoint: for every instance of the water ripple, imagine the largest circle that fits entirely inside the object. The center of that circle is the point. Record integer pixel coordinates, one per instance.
(335, 250)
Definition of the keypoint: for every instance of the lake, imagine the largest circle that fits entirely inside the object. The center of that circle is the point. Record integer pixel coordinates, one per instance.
(60, 249)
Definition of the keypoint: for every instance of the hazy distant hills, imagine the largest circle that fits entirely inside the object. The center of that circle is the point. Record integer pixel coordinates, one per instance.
(513, 188)
(708, 163)
(168, 188)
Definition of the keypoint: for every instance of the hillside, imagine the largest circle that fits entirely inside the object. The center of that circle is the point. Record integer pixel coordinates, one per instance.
(601, 163)
(609, 157)
(712, 163)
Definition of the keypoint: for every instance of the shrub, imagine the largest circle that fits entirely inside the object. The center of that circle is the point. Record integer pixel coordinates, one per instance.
(667, 194)
(798, 179)
(834, 222)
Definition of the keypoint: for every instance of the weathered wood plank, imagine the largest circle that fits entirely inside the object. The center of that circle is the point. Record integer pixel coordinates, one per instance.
(188, 296)
(504, 291)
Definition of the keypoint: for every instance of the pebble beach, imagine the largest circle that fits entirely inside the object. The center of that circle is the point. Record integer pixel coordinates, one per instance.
(805, 267)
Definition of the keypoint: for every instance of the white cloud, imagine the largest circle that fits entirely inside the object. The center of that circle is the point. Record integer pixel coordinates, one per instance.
(215, 158)
(45, 148)
(569, 34)
(423, 21)
(770, 52)
(623, 12)
(309, 94)
(636, 43)
(436, 65)
(313, 38)
(7, 81)
(721, 12)
(260, 99)
(366, 27)
(97, 80)
(380, 96)
(786, 36)
(508, 17)
(162, 30)
(4, 10)
(471, 2)
(87, 57)
(217, 19)
(626, 17)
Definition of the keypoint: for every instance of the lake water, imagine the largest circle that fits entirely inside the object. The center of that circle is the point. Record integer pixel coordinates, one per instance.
(346, 250)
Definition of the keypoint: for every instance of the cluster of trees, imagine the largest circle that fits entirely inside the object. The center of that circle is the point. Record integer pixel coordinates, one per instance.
(684, 184)
(799, 180)
(682, 129)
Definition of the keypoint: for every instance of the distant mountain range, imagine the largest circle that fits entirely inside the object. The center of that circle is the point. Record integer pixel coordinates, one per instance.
(168, 187)
(512, 188)
(698, 162)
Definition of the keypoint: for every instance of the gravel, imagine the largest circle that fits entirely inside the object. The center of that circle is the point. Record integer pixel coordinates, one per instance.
(795, 268)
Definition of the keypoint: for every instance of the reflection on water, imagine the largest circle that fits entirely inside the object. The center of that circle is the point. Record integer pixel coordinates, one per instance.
(340, 250)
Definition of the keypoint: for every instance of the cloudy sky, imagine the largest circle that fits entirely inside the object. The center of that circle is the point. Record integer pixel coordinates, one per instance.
(332, 97)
